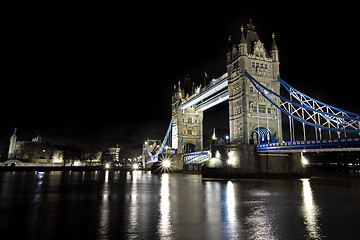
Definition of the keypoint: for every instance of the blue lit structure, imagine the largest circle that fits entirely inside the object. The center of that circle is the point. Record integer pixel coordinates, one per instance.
(251, 85)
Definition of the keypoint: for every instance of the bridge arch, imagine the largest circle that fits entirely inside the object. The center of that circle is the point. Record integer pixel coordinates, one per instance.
(263, 135)
(188, 148)
(12, 163)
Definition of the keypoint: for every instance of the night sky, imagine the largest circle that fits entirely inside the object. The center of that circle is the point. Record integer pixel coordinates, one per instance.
(104, 74)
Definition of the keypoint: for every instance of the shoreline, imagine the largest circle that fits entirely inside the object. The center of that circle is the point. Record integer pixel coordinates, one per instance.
(61, 168)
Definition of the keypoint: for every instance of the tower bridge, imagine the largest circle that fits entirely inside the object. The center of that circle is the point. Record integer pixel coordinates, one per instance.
(251, 86)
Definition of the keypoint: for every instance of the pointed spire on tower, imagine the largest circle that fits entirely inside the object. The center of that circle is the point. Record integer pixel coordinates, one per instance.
(242, 38)
(274, 53)
(230, 44)
(251, 26)
(214, 135)
(273, 44)
(243, 44)
(14, 134)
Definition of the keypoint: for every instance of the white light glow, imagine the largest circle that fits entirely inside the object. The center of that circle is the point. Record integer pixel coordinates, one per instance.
(231, 161)
(166, 163)
(217, 155)
(304, 161)
(135, 166)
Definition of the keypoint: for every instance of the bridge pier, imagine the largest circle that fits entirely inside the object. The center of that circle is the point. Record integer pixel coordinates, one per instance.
(242, 161)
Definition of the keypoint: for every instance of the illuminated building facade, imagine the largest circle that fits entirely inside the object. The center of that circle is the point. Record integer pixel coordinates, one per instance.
(187, 127)
(19, 149)
(249, 112)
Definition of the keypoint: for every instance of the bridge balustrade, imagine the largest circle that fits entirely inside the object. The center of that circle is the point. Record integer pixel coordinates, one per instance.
(311, 144)
(196, 158)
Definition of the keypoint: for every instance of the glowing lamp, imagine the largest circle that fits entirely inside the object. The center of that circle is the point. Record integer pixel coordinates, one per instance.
(135, 166)
(107, 165)
(166, 163)
(231, 161)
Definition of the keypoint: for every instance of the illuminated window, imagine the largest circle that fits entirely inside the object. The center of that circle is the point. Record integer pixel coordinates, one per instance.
(262, 109)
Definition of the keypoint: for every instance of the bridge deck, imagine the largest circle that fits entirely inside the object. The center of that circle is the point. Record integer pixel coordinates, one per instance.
(325, 145)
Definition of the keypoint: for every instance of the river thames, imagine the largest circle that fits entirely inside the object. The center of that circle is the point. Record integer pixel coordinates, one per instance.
(120, 205)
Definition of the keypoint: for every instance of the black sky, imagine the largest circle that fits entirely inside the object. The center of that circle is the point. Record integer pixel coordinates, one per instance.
(103, 74)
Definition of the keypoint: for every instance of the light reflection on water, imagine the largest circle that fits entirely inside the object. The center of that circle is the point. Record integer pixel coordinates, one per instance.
(259, 219)
(104, 221)
(164, 226)
(233, 227)
(115, 205)
(134, 204)
(38, 182)
(310, 211)
(213, 210)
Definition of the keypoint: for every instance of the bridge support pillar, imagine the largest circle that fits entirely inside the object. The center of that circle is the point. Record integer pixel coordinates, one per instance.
(281, 164)
(241, 161)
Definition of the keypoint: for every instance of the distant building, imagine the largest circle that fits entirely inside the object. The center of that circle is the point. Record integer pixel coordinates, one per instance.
(34, 150)
(113, 154)
(17, 149)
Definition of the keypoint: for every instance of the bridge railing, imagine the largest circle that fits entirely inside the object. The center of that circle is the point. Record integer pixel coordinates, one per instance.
(191, 157)
(312, 144)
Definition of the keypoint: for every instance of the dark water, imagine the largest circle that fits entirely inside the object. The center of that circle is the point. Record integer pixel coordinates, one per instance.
(116, 205)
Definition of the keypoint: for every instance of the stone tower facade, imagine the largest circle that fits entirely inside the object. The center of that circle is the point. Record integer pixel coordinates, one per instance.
(249, 110)
(187, 127)
(12, 145)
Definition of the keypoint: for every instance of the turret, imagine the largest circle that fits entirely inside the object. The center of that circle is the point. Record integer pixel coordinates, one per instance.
(12, 145)
(242, 45)
(274, 52)
(229, 54)
(187, 131)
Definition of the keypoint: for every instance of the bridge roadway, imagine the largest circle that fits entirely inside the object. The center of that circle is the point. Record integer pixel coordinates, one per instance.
(325, 145)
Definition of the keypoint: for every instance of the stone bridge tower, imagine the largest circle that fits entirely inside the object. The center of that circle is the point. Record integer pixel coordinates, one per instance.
(187, 127)
(250, 112)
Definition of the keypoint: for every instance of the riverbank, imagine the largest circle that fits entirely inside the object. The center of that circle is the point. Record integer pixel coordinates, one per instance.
(61, 168)
(83, 168)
